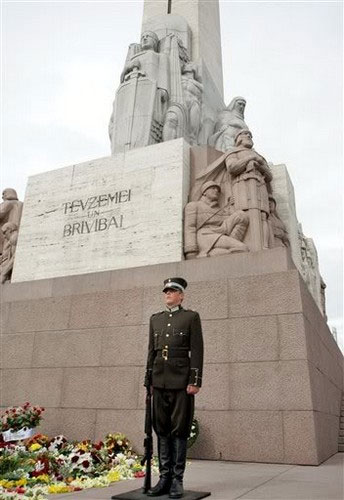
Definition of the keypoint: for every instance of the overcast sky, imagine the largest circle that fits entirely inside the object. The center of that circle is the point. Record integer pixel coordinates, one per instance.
(61, 63)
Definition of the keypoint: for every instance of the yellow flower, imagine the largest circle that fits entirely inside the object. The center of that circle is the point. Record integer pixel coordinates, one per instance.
(113, 476)
(43, 478)
(7, 484)
(21, 482)
(82, 446)
(58, 488)
(35, 446)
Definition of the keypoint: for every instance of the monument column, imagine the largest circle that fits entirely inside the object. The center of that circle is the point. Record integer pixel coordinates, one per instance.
(203, 17)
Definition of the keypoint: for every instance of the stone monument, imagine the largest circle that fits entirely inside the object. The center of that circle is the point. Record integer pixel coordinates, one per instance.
(183, 193)
(10, 215)
(245, 178)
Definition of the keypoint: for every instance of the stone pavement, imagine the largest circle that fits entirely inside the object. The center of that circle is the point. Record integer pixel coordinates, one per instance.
(247, 481)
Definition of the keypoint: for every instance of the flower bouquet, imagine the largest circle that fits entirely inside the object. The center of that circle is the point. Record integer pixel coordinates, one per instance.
(40, 466)
(19, 422)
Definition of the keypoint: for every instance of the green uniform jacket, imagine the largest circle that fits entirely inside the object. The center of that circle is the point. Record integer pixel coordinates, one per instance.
(175, 350)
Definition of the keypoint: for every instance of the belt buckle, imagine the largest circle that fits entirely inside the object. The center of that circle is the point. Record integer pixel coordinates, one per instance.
(164, 354)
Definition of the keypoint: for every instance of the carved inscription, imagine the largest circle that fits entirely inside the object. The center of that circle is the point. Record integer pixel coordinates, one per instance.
(91, 211)
(95, 202)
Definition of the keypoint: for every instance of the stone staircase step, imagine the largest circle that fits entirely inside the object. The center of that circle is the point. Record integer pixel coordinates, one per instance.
(341, 448)
(341, 440)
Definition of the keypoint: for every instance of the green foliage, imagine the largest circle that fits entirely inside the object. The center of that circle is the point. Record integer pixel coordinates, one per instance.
(194, 433)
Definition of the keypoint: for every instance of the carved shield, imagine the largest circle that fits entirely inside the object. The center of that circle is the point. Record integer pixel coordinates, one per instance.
(133, 113)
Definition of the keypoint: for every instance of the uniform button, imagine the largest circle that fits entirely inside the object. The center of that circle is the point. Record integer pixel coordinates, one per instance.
(167, 334)
(170, 315)
(168, 324)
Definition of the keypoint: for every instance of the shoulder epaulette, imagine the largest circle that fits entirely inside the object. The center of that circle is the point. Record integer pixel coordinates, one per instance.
(155, 314)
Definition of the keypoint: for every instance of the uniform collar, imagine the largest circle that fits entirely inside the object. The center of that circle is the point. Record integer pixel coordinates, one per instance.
(173, 309)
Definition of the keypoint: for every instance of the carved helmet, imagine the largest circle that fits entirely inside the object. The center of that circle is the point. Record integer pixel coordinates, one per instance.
(208, 185)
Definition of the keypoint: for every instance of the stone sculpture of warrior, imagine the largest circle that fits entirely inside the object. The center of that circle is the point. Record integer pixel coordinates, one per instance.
(211, 230)
(250, 180)
(244, 177)
(142, 98)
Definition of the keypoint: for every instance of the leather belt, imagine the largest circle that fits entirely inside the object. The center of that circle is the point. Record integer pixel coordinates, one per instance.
(173, 352)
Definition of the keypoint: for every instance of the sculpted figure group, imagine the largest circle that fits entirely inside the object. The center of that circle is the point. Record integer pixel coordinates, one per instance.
(210, 229)
(10, 215)
(232, 208)
(159, 97)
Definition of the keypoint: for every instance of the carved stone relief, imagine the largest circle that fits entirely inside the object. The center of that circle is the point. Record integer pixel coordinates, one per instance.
(278, 231)
(229, 123)
(142, 98)
(10, 232)
(192, 93)
(211, 230)
(10, 211)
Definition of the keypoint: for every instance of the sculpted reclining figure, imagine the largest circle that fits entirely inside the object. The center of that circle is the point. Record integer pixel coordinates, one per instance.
(212, 230)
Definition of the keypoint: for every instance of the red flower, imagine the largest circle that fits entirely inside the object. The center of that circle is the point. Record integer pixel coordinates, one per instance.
(85, 464)
(74, 459)
(98, 446)
(139, 473)
(41, 467)
(20, 490)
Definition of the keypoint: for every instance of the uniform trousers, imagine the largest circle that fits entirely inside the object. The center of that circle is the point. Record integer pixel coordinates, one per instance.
(173, 411)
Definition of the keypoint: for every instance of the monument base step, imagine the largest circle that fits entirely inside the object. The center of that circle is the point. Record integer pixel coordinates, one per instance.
(139, 495)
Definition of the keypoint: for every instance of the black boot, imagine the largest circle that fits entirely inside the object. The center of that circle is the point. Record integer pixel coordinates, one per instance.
(179, 447)
(164, 483)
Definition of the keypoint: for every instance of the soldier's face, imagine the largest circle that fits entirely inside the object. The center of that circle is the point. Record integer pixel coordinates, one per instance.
(173, 298)
(213, 193)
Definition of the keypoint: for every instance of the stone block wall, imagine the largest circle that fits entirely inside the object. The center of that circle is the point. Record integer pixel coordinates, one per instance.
(273, 373)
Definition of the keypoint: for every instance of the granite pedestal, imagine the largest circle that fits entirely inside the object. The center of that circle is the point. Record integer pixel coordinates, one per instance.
(272, 375)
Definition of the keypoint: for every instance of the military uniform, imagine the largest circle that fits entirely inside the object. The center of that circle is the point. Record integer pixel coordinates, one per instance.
(175, 360)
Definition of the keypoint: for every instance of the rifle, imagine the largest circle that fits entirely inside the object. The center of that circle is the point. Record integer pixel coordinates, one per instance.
(148, 442)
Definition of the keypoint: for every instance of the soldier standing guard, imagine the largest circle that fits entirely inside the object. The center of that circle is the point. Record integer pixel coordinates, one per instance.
(174, 371)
